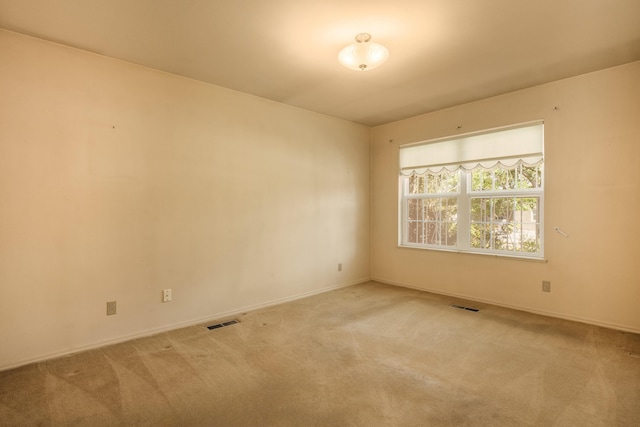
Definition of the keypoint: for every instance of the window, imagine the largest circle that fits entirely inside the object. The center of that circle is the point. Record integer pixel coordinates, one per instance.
(481, 193)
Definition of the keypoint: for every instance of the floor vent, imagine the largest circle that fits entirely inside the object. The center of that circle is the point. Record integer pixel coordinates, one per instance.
(222, 325)
(461, 307)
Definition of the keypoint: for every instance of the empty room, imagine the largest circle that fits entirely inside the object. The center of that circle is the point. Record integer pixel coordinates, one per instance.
(305, 213)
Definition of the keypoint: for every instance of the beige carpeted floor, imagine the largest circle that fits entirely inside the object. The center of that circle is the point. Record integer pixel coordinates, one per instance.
(366, 355)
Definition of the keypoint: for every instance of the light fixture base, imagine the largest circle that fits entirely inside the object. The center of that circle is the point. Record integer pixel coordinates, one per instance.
(363, 37)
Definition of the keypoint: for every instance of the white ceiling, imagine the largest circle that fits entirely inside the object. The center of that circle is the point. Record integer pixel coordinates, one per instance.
(442, 52)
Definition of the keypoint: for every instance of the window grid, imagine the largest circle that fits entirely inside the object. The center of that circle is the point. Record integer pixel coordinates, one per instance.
(432, 220)
(495, 211)
(507, 224)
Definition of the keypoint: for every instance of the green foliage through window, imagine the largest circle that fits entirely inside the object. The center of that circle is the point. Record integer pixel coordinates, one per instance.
(500, 208)
(505, 223)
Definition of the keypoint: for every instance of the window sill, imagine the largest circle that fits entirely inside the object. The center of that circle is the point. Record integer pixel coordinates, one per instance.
(459, 252)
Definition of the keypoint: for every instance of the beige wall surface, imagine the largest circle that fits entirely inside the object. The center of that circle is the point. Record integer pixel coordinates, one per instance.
(118, 181)
(592, 193)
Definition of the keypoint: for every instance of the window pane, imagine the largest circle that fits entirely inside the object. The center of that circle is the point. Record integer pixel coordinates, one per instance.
(481, 180)
(480, 236)
(432, 221)
(527, 215)
(502, 209)
(416, 184)
(449, 182)
(505, 224)
(530, 176)
(452, 233)
(448, 233)
(505, 179)
(444, 182)
(432, 235)
(449, 229)
(480, 209)
(450, 208)
(414, 209)
(431, 208)
(519, 177)
(532, 242)
(415, 232)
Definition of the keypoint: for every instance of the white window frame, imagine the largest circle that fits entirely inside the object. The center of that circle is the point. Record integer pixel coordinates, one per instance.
(464, 197)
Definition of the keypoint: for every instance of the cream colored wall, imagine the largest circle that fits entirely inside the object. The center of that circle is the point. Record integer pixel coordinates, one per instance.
(592, 170)
(118, 181)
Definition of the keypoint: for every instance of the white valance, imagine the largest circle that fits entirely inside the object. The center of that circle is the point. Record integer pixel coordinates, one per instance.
(505, 147)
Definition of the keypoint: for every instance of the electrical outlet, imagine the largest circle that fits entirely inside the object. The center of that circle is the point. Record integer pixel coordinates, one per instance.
(340, 267)
(546, 286)
(111, 308)
(166, 295)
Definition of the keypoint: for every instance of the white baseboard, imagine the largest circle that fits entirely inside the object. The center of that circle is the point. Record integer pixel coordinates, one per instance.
(174, 326)
(589, 321)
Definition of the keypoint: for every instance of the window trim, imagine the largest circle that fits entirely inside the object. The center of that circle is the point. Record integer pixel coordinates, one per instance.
(482, 254)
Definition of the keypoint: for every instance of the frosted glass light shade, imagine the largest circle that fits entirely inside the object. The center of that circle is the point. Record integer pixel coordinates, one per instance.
(364, 55)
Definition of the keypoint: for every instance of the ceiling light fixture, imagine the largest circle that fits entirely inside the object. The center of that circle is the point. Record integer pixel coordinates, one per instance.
(364, 55)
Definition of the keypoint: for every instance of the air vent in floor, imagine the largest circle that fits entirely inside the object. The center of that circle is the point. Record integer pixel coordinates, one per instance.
(222, 325)
(461, 307)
